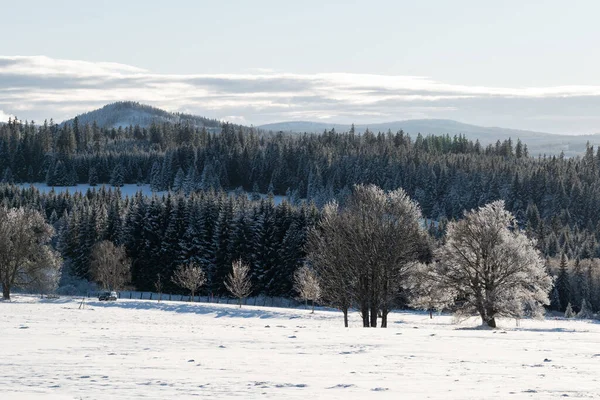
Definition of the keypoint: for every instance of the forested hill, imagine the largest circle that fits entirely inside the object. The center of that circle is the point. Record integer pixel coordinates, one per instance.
(128, 113)
(125, 114)
(446, 175)
(538, 142)
(556, 199)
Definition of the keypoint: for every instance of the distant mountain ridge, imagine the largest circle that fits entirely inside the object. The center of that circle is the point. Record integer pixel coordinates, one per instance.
(132, 113)
(128, 113)
(537, 142)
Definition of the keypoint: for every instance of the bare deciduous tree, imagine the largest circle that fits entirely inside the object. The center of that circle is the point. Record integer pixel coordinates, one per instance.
(372, 244)
(45, 280)
(26, 258)
(238, 282)
(491, 266)
(189, 276)
(158, 285)
(307, 285)
(110, 265)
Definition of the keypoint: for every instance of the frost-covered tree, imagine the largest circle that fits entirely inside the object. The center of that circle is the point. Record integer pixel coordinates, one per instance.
(189, 276)
(373, 244)
(92, 176)
(307, 285)
(156, 182)
(326, 252)
(238, 281)
(44, 280)
(26, 257)
(585, 312)
(109, 265)
(117, 177)
(569, 313)
(425, 293)
(493, 267)
(179, 181)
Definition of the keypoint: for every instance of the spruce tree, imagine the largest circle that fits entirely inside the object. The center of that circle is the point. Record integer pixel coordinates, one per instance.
(563, 285)
(569, 313)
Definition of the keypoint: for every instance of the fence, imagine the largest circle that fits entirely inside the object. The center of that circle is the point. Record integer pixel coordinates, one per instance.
(263, 301)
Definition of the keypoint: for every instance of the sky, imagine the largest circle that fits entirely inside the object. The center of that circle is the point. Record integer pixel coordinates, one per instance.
(518, 64)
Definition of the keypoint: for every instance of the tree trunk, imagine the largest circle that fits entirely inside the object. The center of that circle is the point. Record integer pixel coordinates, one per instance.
(5, 292)
(345, 311)
(373, 298)
(373, 316)
(364, 310)
(306, 304)
(384, 315)
(313, 307)
(430, 313)
(240, 301)
(489, 319)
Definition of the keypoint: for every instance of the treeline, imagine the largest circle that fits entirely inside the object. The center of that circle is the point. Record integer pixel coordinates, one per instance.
(212, 229)
(554, 198)
(160, 233)
(577, 284)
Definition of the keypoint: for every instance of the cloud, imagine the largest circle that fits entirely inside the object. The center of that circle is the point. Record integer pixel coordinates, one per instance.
(39, 87)
(4, 117)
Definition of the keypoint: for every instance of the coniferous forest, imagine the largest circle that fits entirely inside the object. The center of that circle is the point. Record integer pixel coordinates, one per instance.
(207, 217)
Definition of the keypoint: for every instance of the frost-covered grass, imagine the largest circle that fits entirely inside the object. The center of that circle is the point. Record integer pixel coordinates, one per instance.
(142, 349)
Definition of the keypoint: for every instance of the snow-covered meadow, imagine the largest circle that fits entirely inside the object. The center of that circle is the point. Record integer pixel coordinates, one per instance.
(127, 190)
(129, 349)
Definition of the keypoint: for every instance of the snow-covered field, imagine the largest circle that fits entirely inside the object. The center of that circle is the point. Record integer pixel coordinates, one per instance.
(130, 349)
(128, 190)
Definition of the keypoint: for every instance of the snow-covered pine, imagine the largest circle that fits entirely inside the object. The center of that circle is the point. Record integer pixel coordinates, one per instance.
(585, 311)
(569, 313)
(563, 284)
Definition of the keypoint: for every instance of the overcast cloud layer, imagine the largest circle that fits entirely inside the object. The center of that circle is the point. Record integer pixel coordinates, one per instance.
(41, 88)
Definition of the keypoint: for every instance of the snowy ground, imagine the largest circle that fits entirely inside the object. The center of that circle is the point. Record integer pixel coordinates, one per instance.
(141, 349)
(126, 190)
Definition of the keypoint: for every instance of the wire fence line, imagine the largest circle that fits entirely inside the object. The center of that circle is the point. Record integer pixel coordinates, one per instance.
(262, 301)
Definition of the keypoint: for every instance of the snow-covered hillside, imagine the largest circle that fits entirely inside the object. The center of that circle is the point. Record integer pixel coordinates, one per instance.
(128, 113)
(141, 349)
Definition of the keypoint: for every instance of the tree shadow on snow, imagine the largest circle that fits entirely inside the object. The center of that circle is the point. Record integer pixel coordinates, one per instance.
(220, 311)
